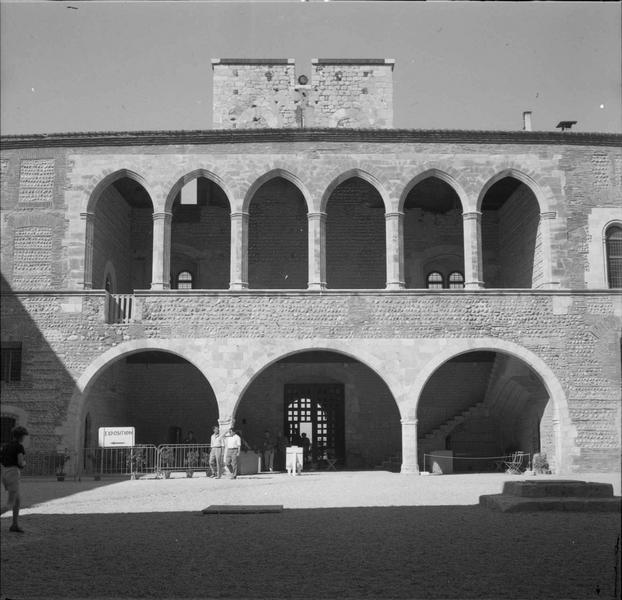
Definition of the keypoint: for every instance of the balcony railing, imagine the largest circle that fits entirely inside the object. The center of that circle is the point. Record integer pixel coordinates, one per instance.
(119, 308)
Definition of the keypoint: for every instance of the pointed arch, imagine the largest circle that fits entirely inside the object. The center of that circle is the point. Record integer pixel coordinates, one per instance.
(275, 174)
(360, 174)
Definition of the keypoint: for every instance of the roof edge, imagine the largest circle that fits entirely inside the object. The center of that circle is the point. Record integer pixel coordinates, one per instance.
(237, 136)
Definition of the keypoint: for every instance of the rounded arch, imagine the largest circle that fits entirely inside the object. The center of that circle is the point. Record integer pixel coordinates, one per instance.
(75, 417)
(611, 241)
(438, 174)
(367, 361)
(565, 433)
(99, 185)
(355, 173)
(543, 199)
(274, 174)
(189, 176)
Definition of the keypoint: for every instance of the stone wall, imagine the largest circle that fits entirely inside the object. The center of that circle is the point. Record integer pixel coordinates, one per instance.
(263, 93)
(355, 237)
(278, 237)
(350, 93)
(254, 94)
(235, 336)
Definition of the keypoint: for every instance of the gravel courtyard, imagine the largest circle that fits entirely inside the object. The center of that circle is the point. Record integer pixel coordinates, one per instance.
(342, 535)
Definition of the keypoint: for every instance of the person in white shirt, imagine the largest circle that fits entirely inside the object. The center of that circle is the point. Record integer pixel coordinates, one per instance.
(233, 444)
(215, 453)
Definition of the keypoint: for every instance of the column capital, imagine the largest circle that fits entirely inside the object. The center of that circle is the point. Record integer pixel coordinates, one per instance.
(395, 214)
(474, 214)
(162, 215)
(316, 215)
(239, 214)
(548, 215)
(409, 421)
(87, 214)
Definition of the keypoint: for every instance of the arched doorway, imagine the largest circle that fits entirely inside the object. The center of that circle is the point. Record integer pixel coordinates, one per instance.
(278, 237)
(159, 393)
(481, 405)
(200, 236)
(355, 236)
(511, 236)
(433, 236)
(340, 404)
(122, 239)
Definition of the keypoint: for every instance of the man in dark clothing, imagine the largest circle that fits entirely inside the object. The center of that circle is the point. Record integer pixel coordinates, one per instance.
(13, 461)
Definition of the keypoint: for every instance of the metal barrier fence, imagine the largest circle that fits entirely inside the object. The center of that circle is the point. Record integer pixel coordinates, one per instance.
(44, 464)
(182, 457)
(133, 461)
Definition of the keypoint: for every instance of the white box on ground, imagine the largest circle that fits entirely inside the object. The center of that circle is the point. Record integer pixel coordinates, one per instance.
(293, 459)
(116, 437)
(440, 461)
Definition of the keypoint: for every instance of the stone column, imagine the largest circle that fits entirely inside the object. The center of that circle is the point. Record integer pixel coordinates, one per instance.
(239, 251)
(410, 464)
(473, 264)
(89, 232)
(546, 241)
(395, 250)
(161, 267)
(317, 250)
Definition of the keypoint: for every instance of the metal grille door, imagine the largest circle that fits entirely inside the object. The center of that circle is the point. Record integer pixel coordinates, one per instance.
(322, 406)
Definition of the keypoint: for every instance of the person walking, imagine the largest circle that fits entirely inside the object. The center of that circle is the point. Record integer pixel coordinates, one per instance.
(13, 461)
(233, 444)
(268, 449)
(215, 453)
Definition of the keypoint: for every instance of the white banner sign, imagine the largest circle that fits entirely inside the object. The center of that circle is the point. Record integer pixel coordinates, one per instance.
(110, 437)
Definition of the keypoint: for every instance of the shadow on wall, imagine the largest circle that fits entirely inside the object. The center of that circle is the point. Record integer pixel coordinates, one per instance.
(36, 385)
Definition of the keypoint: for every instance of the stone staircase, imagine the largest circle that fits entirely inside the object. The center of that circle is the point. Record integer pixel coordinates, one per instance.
(449, 425)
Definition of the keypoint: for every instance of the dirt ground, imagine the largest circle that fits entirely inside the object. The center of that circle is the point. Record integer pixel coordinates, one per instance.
(343, 535)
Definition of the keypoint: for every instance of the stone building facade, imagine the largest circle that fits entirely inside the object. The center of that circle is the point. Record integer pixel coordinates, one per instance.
(305, 267)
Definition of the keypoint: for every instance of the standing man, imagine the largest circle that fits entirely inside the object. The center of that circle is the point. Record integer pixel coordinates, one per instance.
(233, 443)
(268, 448)
(215, 453)
(13, 461)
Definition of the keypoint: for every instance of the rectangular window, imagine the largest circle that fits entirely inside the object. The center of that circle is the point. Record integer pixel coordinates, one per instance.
(11, 362)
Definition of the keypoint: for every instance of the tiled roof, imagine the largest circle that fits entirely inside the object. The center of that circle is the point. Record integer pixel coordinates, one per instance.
(250, 136)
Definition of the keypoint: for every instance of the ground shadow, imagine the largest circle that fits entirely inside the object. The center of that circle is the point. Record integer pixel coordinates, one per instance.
(386, 552)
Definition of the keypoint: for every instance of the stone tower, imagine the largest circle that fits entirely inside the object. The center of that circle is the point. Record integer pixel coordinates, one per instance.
(263, 93)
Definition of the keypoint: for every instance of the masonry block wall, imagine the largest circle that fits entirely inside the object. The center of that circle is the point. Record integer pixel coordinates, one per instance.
(112, 242)
(518, 231)
(254, 93)
(351, 93)
(278, 237)
(263, 93)
(201, 244)
(432, 242)
(355, 237)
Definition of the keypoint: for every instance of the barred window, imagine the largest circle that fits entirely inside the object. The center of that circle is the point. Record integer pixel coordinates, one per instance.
(435, 280)
(184, 280)
(11, 362)
(456, 280)
(613, 244)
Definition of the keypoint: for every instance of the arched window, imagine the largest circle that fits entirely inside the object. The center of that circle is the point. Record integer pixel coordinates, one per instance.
(108, 284)
(456, 280)
(434, 280)
(184, 280)
(613, 244)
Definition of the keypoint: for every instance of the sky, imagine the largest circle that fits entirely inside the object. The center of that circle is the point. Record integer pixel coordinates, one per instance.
(126, 66)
